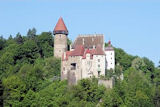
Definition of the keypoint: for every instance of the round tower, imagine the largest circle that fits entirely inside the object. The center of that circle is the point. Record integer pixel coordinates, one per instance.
(60, 38)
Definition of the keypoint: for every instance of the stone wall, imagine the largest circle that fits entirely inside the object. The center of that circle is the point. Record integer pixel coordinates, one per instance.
(107, 83)
(60, 45)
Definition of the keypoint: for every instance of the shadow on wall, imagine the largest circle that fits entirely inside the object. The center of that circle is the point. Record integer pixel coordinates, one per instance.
(71, 78)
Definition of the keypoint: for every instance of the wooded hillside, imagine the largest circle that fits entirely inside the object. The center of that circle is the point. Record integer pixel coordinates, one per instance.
(30, 76)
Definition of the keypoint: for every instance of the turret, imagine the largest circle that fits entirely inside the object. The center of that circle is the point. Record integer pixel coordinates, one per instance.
(60, 38)
(110, 57)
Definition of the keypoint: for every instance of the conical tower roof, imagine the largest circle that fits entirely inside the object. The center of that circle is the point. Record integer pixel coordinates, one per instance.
(60, 27)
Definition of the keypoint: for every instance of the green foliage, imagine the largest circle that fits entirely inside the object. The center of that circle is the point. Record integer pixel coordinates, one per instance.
(27, 53)
(30, 99)
(52, 67)
(149, 64)
(69, 42)
(31, 33)
(111, 99)
(30, 76)
(123, 59)
(138, 63)
(138, 90)
(1, 93)
(2, 43)
(14, 89)
(45, 44)
(109, 74)
(19, 39)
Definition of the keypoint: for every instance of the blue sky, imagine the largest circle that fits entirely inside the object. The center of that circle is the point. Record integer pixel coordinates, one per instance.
(133, 25)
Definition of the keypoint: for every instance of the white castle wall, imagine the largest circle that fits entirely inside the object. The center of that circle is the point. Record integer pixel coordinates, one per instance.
(99, 65)
(110, 59)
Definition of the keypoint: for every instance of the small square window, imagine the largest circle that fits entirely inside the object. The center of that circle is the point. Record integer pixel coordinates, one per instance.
(98, 60)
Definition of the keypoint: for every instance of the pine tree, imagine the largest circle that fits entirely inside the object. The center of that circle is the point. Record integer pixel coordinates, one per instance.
(19, 38)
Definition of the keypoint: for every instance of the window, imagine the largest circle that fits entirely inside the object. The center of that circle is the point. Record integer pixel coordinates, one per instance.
(111, 63)
(98, 65)
(63, 68)
(99, 73)
(60, 36)
(59, 50)
(98, 60)
(111, 57)
(111, 53)
(73, 66)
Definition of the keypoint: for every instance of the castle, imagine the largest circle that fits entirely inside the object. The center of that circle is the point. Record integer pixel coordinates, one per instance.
(87, 56)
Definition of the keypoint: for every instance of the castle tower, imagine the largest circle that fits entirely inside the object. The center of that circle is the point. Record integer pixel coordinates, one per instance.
(60, 38)
(110, 57)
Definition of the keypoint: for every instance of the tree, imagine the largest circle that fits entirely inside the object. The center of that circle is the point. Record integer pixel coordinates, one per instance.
(19, 38)
(54, 93)
(32, 76)
(45, 44)
(111, 99)
(123, 59)
(31, 33)
(138, 63)
(6, 61)
(149, 64)
(1, 94)
(27, 53)
(10, 37)
(31, 99)
(138, 90)
(14, 89)
(69, 42)
(2, 42)
(52, 67)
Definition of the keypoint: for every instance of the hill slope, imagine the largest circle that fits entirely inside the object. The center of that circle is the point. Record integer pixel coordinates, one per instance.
(30, 75)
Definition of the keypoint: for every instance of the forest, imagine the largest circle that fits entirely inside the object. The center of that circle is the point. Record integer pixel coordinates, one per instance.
(30, 77)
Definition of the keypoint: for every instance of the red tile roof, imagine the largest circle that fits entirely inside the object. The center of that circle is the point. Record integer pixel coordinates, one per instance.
(67, 53)
(60, 26)
(98, 51)
(80, 51)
